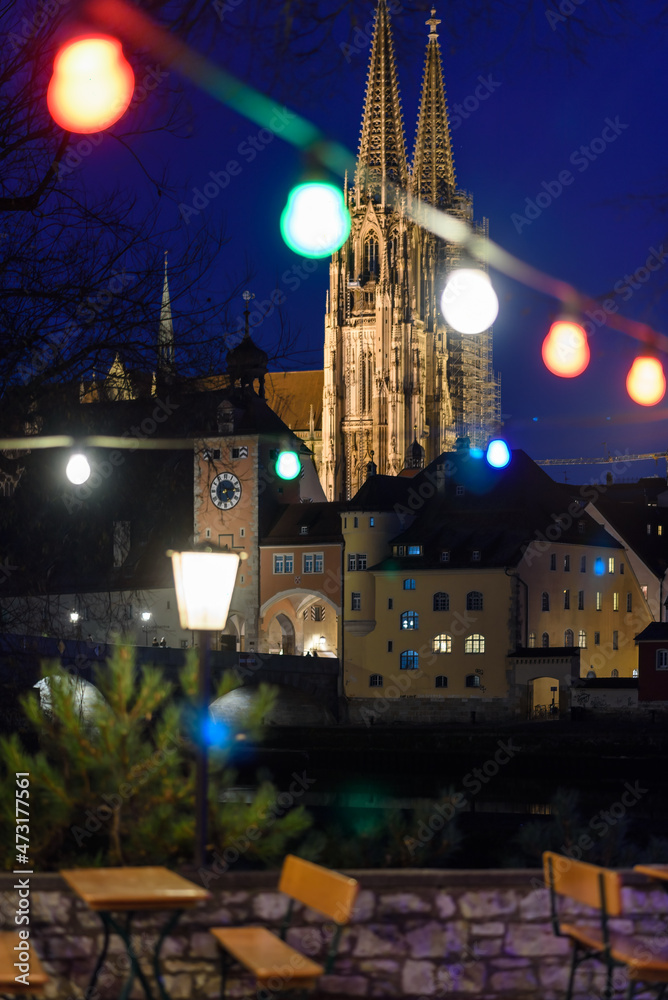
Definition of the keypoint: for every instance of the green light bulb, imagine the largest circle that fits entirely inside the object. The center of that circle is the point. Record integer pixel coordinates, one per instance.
(315, 222)
(288, 465)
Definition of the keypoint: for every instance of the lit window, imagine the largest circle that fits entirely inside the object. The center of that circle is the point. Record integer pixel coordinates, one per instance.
(611, 564)
(372, 521)
(629, 602)
(553, 561)
(409, 584)
(598, 600)
(414, 550)
(644, 590)
(474, 601)
(474, 643)
(441, 681)
(442, 643)
(409, 620)
(532, 640)
(567, 600)
(441, 601)
(356, 601)
(376, 681)
(568, 637)
(408, 660)
(545, 640)
(545, 601)
(583, 563)
(472, 681)
(582, 639)
(662, 659)
(635, 672)
(615, 640)
(615, 601)
(581, 600)
(659, 529)
(567, 564)
(599, 567)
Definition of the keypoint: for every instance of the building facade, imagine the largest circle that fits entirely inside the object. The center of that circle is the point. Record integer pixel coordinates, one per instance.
(394, 371)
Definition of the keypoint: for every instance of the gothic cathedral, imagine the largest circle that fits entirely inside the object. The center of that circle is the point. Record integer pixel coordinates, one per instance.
(399, 385)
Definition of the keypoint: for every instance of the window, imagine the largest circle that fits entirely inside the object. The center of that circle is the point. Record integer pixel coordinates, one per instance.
(644, 590)
(284, 563)
(414, 550)
(441, 681)
(611, 564)
(317, 613)
(615, 640)
(545, 601)
(567, 564)
(184, 643)
(372, 521)
(581, 528)
(442, 643)
(356, 522)
(581, 600)
(376, 681)
(545, 640)
(459, 491)
(475, 555)
(635, 672)
(242, 532)
(356, 561)
(371, 254)
(567, 600)
(408, 660)
(553, 561)
(303, 529)
(532, 640)
(614, 673)
(390, 603)
(390, 645)
(441, 601)
(472, 681)
(356, 601)
(474, 600)
(352, 563)
(629, 602)
(621, 569)
(597, 638)
(583, 563)
(598, 600)
(361, 561)
(474, 643)
(445, 556)
(662, 659)
(615, 601)
(307, 563)
(409, 584)
(568, 637)
(582, 639)
(409, 620)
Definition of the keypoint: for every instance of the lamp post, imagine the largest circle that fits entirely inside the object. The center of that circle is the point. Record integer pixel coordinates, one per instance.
(204, 582)
(145, 617)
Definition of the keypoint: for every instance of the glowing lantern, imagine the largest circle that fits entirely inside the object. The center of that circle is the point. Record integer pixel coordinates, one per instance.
(565, 349)
(315, 222)
(92, 84)
(498, 453)
(288, 465)
(78, 469)
(469, 302)
(645, 382)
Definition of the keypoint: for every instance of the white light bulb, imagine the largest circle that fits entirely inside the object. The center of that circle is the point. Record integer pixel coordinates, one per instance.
(469, 302)
(78, 469)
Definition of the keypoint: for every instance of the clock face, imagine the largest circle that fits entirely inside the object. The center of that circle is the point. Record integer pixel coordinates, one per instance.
(226, 491)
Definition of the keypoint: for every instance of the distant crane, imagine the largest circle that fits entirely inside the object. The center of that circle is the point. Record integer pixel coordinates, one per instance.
(599, 461)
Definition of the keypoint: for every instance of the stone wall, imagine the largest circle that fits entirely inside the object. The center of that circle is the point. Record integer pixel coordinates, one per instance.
(415, 933)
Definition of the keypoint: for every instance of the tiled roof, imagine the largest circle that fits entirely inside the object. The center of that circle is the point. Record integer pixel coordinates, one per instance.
(291, 395)
(654, 632)
(323, 521)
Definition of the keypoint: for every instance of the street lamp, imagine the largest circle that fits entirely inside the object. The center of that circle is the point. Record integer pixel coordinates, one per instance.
(204, 582)
(145, 617)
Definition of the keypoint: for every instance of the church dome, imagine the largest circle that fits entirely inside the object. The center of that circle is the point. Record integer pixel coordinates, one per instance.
(247, 362)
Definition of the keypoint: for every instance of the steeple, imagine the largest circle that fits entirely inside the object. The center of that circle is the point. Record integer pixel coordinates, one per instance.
(433, 174)
(382, 150)
(166, 331)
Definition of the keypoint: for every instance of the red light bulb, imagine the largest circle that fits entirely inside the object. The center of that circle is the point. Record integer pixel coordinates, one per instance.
(645, 382)
(92, 84)
(565, 349)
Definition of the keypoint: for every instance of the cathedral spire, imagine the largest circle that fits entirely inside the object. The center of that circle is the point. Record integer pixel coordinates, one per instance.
(166, 330)
(433, 175)
(381, 158)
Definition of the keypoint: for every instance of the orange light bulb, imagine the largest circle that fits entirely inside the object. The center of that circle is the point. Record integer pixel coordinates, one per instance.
(92, 84)
(645, 382)
(565, 349)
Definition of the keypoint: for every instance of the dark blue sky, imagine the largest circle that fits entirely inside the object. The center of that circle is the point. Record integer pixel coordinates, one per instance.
(545, 104)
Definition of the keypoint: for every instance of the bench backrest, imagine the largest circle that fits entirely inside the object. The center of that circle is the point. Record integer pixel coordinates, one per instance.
(323, 890)
(585, 883)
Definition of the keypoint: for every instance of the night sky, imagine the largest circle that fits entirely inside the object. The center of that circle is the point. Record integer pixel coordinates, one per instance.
(544, 102)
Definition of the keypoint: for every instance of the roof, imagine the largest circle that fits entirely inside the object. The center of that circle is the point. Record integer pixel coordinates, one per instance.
(630, 520)
(381, 493)
(654, 632)
(292, 394)
(323, 521)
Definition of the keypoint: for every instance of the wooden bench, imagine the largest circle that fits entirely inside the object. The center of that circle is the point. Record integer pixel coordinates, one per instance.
(275, 965)
(601, 889)
(8, 972)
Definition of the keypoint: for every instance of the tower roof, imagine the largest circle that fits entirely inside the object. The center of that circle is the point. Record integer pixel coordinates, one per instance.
(166, 329)
(382, 150)
(433, 174)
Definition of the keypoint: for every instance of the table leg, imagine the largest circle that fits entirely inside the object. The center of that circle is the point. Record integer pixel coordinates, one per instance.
(135, 968)
(156, 956)
(90, 992)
